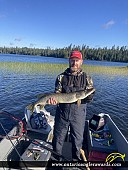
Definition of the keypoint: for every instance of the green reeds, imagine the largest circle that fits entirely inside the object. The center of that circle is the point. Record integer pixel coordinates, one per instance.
(49, 68)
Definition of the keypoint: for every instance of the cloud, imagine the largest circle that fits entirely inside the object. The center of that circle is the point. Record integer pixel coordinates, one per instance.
(109, 24)
(17, 39)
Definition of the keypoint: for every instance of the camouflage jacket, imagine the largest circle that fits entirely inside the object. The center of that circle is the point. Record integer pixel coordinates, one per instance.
(67, 82)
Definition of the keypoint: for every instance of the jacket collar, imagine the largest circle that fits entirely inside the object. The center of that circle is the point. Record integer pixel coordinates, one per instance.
(68, 72)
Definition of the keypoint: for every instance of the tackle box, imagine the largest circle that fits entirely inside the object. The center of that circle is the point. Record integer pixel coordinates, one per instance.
(102, 145)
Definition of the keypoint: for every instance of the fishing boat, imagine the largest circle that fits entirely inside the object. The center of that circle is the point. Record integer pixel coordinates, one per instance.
(31, 148)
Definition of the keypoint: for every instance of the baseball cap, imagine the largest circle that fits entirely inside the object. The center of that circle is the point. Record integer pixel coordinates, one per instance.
(76, 54)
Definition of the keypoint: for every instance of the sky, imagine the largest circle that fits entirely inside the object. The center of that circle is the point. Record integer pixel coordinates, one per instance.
(59, 23)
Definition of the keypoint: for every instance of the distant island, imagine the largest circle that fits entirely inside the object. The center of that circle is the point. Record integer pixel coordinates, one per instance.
(116, 54)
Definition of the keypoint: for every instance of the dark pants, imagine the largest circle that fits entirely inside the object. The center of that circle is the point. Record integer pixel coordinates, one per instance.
(74, 116)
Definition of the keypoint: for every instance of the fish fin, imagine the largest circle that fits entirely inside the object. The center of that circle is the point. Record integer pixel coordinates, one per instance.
(78, 102)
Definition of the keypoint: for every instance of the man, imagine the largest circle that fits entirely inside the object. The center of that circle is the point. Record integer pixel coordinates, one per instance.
(72, 79)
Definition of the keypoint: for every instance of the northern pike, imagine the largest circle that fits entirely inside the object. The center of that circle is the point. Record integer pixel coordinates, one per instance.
(63, 97)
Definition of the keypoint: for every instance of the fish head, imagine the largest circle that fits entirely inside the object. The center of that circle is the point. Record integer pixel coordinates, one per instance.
(84, 93)
(89, 91)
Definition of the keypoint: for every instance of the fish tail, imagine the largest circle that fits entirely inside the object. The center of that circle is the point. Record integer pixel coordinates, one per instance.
(30, 107)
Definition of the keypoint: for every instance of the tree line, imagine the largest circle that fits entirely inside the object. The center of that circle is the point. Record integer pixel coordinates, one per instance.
(118, 54)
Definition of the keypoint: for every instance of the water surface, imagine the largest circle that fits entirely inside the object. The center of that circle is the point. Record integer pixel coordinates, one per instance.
(23, 77)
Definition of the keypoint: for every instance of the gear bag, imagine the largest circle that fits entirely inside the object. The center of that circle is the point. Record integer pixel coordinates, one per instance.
(38, 121)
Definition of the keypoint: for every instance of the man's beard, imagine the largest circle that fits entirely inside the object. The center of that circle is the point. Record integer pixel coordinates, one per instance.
(74, 69)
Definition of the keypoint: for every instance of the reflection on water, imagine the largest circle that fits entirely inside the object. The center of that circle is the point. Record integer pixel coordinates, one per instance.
(21, 82)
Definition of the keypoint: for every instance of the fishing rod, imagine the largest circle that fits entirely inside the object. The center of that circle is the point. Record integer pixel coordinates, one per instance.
(32, 140)
(25, 135)
(46, 147)
(9, 138)
(13, 145)
(20, 127)
(61, 156)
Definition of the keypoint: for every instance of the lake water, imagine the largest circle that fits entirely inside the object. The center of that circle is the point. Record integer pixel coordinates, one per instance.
(20, 83)
(40, 59)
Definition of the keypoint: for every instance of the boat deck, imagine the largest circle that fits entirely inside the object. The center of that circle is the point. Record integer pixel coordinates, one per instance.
(19, 149)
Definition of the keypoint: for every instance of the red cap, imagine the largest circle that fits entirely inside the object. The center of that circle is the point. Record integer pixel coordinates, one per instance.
(76, 54)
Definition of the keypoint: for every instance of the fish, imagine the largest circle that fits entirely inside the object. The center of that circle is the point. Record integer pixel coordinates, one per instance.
(63, 97)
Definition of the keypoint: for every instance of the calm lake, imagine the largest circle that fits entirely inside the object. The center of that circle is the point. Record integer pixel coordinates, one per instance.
(23, 77)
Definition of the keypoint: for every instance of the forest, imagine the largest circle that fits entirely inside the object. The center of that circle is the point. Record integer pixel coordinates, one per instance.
(117, 54)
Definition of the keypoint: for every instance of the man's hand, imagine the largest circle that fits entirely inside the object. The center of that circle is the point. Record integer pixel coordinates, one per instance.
(52, 101)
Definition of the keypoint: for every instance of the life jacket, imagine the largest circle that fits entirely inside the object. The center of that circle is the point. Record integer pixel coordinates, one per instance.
(72, 83)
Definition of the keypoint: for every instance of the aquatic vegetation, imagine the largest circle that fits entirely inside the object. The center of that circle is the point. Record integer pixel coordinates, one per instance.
(106, 70)
(49, 68)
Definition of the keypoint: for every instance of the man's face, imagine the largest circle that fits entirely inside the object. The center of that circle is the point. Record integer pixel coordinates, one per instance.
(75, 64)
